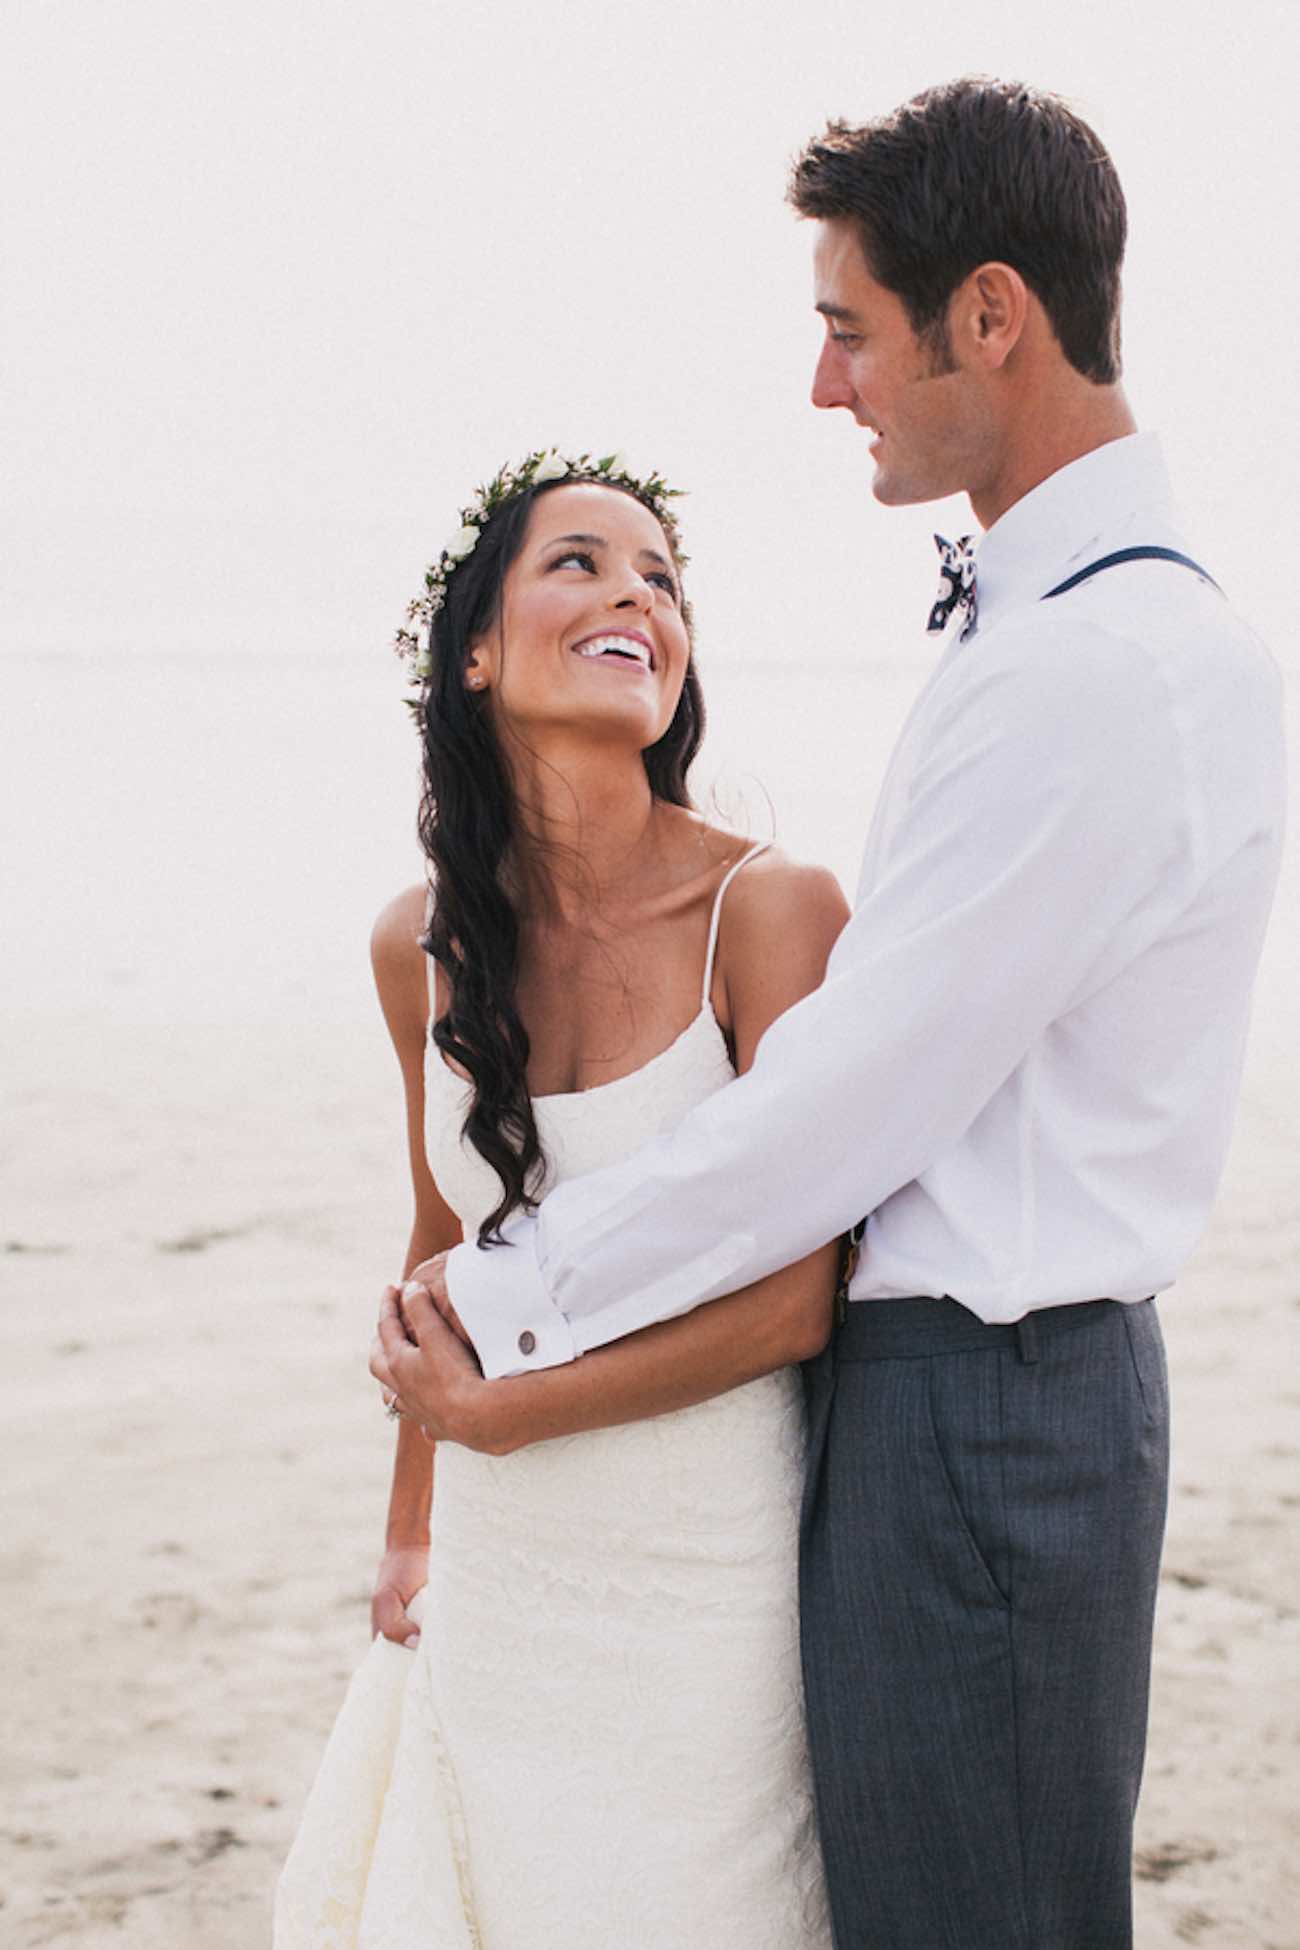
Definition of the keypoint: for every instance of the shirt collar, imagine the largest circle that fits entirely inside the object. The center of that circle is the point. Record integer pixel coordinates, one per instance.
(1062, 523)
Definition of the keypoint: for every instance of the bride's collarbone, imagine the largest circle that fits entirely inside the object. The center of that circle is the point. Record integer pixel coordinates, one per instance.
(602, 998)
(588, 1032)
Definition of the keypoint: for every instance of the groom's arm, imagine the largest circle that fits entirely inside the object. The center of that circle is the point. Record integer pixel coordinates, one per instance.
(1047, 811)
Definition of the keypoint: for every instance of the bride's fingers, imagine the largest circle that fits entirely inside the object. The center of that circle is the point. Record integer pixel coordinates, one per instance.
(394, 1347)
(390, 1301)
(417, 1305)
(390, 1307)
(393, 1621)
(379, 1367)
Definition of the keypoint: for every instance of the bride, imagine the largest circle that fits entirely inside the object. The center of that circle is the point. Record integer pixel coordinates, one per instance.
(580, 1721)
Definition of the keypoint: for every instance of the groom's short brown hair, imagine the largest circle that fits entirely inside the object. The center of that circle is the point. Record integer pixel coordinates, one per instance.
(978, 170)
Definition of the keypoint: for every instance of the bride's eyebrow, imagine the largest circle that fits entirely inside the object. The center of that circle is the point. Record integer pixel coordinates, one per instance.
(588, 541)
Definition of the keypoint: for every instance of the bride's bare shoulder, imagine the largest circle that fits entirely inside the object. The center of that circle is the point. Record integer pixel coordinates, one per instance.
(780, 920)
(775, 893)
(400, 964)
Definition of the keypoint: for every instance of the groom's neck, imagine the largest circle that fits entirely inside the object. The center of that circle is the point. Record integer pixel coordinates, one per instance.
(1044, 429)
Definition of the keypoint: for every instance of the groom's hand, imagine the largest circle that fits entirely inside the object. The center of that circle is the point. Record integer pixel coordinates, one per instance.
(431, 1274)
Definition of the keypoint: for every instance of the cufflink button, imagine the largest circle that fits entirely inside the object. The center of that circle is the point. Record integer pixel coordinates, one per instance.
(527, 1341)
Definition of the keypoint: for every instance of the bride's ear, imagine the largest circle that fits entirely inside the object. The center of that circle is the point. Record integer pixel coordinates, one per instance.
(475, 674)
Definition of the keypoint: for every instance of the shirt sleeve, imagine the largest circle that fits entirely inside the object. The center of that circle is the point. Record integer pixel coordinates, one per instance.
(1045, 822)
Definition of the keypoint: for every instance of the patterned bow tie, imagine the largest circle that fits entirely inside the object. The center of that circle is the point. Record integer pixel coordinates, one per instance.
(956, 582)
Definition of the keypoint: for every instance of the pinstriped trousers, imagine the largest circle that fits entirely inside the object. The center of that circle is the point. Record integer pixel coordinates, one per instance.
(980, 1547)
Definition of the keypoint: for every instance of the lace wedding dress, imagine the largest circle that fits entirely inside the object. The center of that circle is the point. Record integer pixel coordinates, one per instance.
(598, 1742)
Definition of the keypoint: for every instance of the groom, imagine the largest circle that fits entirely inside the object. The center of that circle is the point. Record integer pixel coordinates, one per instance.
(1021, 1065)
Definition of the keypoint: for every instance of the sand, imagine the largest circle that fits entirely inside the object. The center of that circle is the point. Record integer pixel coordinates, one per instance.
(197, 1223)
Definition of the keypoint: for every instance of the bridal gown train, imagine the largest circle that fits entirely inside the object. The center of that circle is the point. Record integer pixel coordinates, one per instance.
(598, 1743)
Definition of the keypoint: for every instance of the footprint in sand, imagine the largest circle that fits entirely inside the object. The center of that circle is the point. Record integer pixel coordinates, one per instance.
(1167, 1858)
(168, 1611)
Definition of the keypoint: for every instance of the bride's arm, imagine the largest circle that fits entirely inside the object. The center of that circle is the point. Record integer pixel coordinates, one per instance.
(401, 980)
(779, 924)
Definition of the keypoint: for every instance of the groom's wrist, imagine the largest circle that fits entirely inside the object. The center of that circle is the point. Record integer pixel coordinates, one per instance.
(502, 1302)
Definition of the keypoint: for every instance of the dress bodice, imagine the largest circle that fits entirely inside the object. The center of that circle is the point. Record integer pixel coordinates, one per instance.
(580, 1130)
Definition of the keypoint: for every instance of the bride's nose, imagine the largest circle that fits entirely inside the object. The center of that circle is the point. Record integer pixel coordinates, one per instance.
(633, 592)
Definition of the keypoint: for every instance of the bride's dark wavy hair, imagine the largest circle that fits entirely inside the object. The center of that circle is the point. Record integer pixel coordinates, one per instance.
(468, 825)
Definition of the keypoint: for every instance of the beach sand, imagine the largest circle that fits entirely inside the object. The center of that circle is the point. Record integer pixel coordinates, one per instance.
(196, 1477)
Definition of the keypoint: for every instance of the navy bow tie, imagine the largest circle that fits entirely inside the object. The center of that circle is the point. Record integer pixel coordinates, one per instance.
(956, 582)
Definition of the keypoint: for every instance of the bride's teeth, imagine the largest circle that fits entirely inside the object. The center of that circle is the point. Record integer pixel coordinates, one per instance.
(617, 645)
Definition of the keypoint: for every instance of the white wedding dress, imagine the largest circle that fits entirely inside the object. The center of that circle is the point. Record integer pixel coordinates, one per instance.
(598, 1743)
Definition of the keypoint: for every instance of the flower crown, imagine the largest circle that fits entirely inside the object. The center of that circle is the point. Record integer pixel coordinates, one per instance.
(546, 465)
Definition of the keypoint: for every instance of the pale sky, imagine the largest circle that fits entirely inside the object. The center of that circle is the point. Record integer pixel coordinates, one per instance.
(285, 280)
(282, 282)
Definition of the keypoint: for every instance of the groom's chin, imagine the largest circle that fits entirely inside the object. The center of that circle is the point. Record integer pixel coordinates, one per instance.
(893, 493)
(895, 490)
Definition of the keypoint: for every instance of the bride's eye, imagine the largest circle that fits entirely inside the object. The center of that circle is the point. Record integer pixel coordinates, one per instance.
(575, 555)
(666, 581)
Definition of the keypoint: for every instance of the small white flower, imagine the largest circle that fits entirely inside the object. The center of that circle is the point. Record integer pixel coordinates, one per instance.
(424, 665)
(552, 468)
(462, 543)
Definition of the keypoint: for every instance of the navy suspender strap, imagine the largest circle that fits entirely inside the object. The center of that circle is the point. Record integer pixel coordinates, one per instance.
(1132, 555)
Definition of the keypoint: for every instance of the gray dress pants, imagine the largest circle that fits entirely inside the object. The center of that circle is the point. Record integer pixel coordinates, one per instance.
(981, 1541)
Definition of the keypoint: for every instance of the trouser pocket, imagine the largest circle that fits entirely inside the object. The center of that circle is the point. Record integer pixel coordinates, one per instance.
(964, 1400)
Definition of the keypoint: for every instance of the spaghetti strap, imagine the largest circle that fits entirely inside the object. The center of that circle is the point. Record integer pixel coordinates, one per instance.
(716, 917)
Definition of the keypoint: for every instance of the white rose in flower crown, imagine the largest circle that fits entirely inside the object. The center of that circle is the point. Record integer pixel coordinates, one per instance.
(552, 468)
(462, 543)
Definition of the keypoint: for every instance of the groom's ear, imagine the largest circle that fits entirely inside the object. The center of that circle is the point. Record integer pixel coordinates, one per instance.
(988, 314)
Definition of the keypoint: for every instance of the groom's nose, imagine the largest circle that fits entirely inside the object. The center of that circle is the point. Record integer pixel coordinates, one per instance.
(831, 385)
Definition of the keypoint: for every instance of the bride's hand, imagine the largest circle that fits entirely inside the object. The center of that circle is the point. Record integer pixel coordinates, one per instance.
(403, 1571)
(433, 1377)
(431, 1275)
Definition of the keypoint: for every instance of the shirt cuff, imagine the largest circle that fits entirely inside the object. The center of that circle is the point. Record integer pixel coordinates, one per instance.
(504, 1307)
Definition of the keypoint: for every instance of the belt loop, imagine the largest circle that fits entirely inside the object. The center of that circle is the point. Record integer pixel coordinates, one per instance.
(1027, 1336)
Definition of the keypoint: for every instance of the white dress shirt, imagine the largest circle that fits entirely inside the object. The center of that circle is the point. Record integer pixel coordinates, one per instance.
(1024, 1058)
